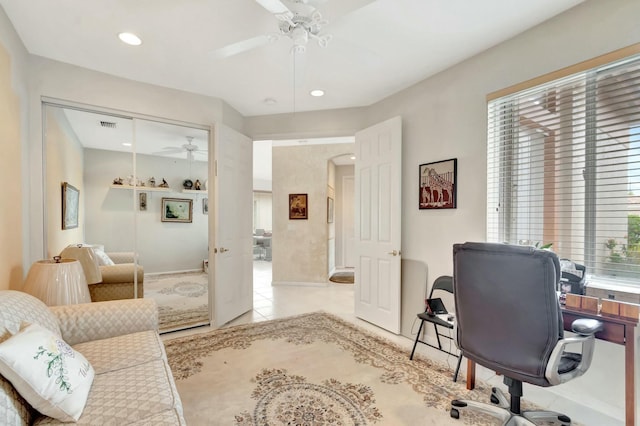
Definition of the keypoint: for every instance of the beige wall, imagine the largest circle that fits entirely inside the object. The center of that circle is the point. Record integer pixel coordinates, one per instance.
(13, 137)
(65, 163)
(342, 224)
(331, 227)
(300, 246)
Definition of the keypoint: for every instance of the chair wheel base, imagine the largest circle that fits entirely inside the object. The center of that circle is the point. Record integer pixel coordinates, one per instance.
(455, 414)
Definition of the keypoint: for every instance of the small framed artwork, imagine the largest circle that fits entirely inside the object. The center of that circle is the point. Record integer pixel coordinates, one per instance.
(205, 206)
(298, 206)
(143, 201)
(329, 210)
(438, 185)
(177, 210)
(70, 206)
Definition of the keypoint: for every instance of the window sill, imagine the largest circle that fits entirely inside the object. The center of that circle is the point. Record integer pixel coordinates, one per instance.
(612, 290)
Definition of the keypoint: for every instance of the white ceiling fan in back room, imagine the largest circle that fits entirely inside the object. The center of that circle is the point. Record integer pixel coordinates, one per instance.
(298, 20)
(190, 148)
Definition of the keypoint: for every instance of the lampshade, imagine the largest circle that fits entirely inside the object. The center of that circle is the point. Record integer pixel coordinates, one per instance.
(57, 282)
(87, 258)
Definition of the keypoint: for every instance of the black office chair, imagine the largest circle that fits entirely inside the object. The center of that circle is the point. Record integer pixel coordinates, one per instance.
(442, 283)
(509, 320)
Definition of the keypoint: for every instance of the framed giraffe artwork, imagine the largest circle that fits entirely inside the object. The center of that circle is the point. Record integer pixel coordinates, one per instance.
(438, 185)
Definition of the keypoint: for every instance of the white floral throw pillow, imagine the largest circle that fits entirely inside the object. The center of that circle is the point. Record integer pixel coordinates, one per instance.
(53, 377)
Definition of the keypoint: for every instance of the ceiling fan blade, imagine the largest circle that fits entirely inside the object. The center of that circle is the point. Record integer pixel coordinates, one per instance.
(242, 46)
(274, 6)
(167, 150)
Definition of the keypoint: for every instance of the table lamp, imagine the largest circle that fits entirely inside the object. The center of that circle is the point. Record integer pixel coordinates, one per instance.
(57, 282)
(86, 256)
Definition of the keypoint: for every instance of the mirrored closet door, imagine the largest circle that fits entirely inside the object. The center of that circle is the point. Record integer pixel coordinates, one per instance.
(142, 206)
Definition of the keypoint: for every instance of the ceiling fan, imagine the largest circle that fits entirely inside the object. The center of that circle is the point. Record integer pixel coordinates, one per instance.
(190, 148)
(299, 20)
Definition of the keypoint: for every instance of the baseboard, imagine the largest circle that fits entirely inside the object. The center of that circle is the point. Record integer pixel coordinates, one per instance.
(158, 274)
(298, 284)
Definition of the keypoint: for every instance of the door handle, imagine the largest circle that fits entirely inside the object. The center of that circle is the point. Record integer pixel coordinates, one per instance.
(222, 249)
(394, 253)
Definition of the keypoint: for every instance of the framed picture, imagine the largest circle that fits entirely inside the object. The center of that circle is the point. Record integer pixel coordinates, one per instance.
(143, 201)
(438, 185)
(70, 206)
(205, 206)
(177, 210)
(298, 206)
(329, 210)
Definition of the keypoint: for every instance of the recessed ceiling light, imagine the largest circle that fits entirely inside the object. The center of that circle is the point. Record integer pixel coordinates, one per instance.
(126, 144)
(270, 101)
(130, 39)
(317, 92)
(353, 157)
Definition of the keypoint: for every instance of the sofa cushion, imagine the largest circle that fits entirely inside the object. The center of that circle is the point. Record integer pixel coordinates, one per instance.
(17, 307)
(53, 377)
(121, 352)
(129, 396)
(14, 410)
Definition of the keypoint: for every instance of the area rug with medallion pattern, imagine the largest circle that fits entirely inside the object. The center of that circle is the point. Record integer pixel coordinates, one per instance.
(182, 298)
(311, 369)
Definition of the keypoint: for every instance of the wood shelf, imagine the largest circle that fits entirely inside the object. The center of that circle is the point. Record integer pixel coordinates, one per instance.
(195, 191)
(142, 188)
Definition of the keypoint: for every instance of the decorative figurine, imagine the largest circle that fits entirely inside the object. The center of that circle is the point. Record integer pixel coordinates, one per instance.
(117, 181)
(164, 184)
(152, 182)
(197, 185)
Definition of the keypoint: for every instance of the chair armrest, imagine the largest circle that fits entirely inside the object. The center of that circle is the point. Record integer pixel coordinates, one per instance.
(586, 326)
(121, 273)
(121, 256)
(586, 329)
(101, 320)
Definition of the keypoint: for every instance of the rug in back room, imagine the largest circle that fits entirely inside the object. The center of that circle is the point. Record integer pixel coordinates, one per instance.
(342, 277)
(311, 369)
(182, 298)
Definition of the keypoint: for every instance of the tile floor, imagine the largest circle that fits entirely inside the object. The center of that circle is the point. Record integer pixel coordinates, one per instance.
(272, 302)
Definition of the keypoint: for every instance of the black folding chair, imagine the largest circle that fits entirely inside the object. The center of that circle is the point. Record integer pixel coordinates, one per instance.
(442, 283)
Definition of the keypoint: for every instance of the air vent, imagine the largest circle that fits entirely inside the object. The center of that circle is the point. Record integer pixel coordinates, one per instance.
(109, 124)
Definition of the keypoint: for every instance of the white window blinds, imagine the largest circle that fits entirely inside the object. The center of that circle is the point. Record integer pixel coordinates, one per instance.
(564, 168)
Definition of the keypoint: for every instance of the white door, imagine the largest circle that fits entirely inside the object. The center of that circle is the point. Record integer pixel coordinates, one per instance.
(232, 221)
(348, 230)
(377, 224)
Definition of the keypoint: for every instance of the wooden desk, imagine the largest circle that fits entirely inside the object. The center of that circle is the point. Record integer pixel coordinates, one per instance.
(616, 330)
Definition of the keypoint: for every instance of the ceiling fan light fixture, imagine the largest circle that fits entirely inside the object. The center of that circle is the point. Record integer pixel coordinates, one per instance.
(317, 93)
(130, 39)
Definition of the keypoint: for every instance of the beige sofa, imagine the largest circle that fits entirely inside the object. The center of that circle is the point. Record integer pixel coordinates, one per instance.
(117, 280)
(133, 383)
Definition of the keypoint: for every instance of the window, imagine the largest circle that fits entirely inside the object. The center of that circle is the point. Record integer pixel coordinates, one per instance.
(563, 164)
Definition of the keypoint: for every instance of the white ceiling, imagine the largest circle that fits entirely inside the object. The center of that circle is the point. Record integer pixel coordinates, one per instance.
(151, 137)
(378, 48)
